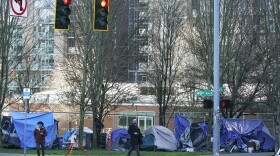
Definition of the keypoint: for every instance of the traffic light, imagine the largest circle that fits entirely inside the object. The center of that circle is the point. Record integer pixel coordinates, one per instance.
(62, 12)
(101, 10)
(207, 104)
(225, 103)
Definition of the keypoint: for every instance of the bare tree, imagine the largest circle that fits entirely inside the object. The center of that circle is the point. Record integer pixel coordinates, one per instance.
(92, 65)
(270, 19)
(166, 50)
(244, 59)
(7, 26)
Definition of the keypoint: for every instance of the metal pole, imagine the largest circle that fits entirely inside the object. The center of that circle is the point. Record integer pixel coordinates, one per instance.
(25, 116)
(216, 112)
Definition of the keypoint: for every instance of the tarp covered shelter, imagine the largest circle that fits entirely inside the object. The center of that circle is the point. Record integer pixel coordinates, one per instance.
(120, 139)
(180, 125)
(31, 123)
(70, 136)
(244, 130)
(164, 139)
(9, 136)
(189, 135)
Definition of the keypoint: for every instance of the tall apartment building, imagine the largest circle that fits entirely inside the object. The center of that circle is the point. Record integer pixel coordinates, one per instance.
(137, 28)
(34, 48)
(127, 28)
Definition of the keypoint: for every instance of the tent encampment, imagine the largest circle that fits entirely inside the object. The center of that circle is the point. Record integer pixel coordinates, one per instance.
(120, 139)
(31, 123)
(164, 139)
(70, 136)
(244, 131)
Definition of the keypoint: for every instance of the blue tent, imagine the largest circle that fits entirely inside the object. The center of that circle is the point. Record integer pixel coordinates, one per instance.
(243, 130)
(120, 139)
(148, 143)
(31, 120)
(181, 123)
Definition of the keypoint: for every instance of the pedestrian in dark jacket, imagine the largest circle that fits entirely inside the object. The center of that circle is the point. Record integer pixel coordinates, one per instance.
(135, 137)
(39, 134)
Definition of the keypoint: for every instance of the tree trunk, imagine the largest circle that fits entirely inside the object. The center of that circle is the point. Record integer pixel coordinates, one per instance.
(209, 130)
(161, 115)
(94, 129)
(1, 128)
(81, 123)
(82, 101)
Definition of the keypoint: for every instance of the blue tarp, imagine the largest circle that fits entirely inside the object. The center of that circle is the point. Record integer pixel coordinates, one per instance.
(243, 130)
(120, 139)
(181, 123)
(67, 135)
(119, 133)
(32, 119)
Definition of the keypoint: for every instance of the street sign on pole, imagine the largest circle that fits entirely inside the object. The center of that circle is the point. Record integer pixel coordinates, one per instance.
(208, 92)
(18, 8)
(222, 89)
(26, 93)
(204, 93)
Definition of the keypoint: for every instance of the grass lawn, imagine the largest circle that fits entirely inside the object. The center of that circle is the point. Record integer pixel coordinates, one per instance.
(106, 153)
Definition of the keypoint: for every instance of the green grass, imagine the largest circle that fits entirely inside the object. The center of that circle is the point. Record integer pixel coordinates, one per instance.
(106, 153)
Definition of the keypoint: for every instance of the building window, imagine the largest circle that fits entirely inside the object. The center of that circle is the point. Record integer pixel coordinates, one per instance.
(131, 76)
(152, 91)
(142, 77)
(144, 119)
(147, 91)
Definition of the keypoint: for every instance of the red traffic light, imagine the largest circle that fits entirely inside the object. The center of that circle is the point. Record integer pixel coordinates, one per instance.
(225, 103)
(104, 3)
(67, 2)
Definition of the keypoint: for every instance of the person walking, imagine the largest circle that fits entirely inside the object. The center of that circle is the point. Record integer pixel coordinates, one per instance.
(135, 137)
(40, 134)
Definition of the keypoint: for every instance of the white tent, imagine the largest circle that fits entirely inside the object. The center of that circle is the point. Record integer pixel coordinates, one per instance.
(86, 135)
(164, 138)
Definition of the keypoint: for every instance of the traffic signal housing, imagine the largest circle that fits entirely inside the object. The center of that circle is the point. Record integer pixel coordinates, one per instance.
(225, 103)
(207, 104)
(62, 12)
(101, 10)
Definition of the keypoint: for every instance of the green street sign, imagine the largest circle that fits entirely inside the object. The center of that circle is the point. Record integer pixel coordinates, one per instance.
(222, 89)
(204, 93)
(208, 92)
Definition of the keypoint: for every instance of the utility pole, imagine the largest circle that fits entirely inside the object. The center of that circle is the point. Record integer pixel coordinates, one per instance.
(216, 112)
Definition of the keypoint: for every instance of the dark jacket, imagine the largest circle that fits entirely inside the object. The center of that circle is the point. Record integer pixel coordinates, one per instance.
(134, 139)
(40, 135)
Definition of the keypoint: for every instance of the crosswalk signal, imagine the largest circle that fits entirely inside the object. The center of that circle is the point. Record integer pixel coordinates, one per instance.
(62, 12)
(101, 10)
(207, 104)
